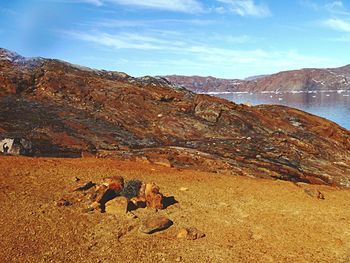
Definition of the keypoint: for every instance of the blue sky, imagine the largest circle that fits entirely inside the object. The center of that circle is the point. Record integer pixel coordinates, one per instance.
(221, 38)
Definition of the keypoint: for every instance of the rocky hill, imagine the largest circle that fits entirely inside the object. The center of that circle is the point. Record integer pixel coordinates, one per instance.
(287, 81)
(68, 110)
(205, 84)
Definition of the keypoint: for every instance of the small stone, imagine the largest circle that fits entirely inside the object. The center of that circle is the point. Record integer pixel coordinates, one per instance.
(117, 206)
(183, 189)
(183, 233)
(190, 233)
(64, 202)
(154, 224)
(314, 193)
(178, 259)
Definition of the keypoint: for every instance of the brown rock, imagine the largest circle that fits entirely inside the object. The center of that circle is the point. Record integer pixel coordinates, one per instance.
(154, 224)
(314, 193)
(115, 183)
(153, 197)
(190, 233)
(117, 206)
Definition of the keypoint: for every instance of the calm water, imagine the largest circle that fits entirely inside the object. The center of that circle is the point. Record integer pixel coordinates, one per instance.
(332, 105)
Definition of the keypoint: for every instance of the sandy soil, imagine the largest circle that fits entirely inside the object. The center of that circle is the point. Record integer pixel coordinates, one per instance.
(244, 219)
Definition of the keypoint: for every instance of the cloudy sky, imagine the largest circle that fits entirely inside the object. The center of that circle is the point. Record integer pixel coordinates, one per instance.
(222, 38)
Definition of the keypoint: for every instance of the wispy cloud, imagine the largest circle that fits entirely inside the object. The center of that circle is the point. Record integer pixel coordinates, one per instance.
(93, 2)
(337, 24)
(332, 7)
(127, 40)
(119, 23)
(186, 6)
(244, 8)
(7, 11)
(203, 53)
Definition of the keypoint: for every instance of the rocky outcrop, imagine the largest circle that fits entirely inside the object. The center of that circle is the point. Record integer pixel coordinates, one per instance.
(288, 81)
(67, 110)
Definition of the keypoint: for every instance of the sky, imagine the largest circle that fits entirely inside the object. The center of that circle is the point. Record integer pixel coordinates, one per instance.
(220, 38)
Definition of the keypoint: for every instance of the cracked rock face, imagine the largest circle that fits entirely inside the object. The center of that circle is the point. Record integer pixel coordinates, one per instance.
(71, 111)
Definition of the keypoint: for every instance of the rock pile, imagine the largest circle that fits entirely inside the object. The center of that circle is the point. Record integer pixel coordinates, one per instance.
(116, 196)
(120, 198)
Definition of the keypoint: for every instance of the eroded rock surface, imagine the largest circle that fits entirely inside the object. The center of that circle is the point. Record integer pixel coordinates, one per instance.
(67, 110)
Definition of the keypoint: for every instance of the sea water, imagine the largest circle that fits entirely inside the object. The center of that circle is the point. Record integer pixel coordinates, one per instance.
(332, 105)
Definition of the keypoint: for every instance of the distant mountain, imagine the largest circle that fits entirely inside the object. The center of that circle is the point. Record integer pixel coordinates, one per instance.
(205, 84)
(296, 80)
(74, 111)
(255, 77)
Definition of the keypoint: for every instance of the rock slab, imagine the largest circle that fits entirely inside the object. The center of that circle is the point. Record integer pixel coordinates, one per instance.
(154, 224)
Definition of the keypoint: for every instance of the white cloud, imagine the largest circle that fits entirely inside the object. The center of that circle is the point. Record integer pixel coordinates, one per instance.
(186, 6)
(337, 24)
(116, 23)
(202, 53)
(127, 40)
(334, 5)
(93, 2)
(244, 8)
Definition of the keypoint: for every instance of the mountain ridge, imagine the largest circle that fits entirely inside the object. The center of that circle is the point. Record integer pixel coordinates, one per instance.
(306, 79)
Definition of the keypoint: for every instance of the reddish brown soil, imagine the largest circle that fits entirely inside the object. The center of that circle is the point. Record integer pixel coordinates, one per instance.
(244, 219)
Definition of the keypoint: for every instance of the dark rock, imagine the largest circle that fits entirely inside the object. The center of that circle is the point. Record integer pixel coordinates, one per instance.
(131, 189)
(86, 186)
(64, 202)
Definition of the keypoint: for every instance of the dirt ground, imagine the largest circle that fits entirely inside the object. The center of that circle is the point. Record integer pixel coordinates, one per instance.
(244, 219)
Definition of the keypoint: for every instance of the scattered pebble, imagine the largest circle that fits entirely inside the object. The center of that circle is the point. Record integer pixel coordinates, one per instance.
(178, 259)
(190, 233)
(64, 202)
